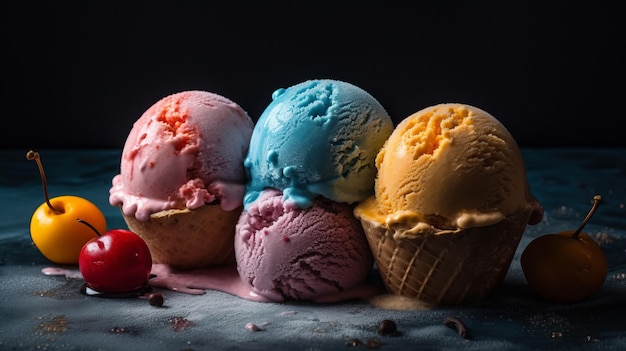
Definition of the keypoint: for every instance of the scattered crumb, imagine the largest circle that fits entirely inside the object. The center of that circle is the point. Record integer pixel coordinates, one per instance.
(397, 302)
(368, 344)
(603, 238)
(54, 325)
(119, 330)
(179, 323)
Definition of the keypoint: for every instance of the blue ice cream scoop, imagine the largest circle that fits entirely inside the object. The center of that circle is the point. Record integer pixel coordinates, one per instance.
(319, 137)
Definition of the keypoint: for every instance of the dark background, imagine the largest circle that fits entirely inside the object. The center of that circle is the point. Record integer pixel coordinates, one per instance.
(79, 74)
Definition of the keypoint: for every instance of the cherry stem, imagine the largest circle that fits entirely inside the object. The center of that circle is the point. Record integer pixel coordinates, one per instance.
(596, 203)
(89, 225)
(33, 155)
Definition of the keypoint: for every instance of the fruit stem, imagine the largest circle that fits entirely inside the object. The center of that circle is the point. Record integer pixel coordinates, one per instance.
(33, 155)
(89, 225)
(596, 203)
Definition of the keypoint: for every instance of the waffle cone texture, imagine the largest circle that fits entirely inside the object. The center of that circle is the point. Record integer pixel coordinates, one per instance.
(188, 239)
(445, 269)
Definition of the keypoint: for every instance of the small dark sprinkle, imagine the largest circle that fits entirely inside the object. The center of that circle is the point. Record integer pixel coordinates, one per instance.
(457, 323)
(387, 327)
(155, 299)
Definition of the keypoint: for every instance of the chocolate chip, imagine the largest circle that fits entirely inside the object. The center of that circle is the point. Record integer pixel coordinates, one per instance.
(155, 299)
(387, 327)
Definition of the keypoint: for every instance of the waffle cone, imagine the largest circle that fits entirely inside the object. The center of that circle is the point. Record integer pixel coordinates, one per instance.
(189, 239)
(445, 269)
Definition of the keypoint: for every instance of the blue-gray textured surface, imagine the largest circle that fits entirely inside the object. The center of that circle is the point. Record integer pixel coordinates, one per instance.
(48, 312)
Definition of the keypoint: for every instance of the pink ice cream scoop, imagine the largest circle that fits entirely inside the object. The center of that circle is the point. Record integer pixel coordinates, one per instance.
(185, 151)
(287, 253)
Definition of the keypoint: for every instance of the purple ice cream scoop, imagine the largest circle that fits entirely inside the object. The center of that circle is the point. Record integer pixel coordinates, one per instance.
(288, 253)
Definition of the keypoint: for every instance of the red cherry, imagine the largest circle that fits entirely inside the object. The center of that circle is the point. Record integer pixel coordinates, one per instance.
(117, 261)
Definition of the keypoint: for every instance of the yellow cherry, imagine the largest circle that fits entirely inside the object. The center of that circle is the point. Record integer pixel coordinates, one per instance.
(565, 267)
(54, 228)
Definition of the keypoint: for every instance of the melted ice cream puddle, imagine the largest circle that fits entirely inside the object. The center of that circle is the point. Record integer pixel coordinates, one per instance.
(224, 279)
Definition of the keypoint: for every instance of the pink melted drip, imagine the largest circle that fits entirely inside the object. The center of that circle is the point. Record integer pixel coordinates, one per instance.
(224, 279)
(196, 281)
(68, 273)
